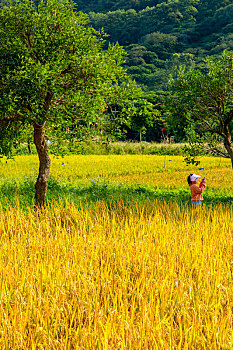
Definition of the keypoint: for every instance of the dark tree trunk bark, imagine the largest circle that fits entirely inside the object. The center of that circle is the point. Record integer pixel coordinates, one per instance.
(229, 147)
(44, 166)
(29, 148)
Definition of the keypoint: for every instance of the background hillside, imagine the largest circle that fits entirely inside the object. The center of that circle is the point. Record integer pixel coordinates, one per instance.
(160, 35)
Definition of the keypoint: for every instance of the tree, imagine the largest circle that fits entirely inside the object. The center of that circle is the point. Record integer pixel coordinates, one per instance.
(209, 7)
(53, 73)
(204, 98)
(143, 116)
(160, 43)
(121, 25)
(112, 5)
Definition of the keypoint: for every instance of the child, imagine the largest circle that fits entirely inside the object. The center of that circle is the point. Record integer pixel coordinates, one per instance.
(196, 191)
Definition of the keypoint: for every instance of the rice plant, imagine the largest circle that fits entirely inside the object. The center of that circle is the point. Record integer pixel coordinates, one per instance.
(127, 278)
(148, 275)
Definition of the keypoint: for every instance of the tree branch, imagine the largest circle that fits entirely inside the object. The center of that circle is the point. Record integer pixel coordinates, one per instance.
(218, 152)
(15, 118)
(229, 118)
(48, 100)
(27, 37)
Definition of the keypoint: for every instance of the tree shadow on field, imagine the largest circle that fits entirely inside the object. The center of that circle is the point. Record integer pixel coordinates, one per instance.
(23, 192)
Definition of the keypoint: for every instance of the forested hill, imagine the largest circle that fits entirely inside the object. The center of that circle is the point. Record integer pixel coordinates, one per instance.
(160, 35)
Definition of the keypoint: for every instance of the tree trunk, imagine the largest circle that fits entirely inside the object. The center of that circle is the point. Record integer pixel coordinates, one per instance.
(44, 166)
(229, 147)
(29, 148)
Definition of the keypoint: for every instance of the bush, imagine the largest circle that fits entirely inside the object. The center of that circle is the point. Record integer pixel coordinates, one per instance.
(99, 148)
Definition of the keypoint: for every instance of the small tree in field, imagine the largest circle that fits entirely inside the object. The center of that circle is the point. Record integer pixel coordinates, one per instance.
(54, 72)
(205, 100)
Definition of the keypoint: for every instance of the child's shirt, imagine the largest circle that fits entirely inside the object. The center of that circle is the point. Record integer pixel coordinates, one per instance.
(196, 191)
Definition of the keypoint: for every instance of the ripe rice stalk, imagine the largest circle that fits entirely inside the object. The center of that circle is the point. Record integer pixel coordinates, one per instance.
(148, 276)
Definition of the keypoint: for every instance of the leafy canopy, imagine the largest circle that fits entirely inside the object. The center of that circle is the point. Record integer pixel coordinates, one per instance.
(53, 70)
(204, 98)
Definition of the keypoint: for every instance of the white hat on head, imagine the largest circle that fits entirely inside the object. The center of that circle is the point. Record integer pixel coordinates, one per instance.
(194, 177)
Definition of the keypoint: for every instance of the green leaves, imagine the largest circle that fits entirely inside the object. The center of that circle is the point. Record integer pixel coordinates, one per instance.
(204, 99)
(53, 68)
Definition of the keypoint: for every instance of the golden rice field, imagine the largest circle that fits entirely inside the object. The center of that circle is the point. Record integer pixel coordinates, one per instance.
(145, 169)
(150, 276)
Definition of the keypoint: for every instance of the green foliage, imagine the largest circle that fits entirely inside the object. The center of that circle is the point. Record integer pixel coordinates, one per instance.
(159, 37)
(55, 72)
(112, 5)
(205, 99)
(190, 27)
(143, 115)
(98, 147)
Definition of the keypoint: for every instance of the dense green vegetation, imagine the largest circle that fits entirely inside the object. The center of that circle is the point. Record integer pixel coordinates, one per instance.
(54, 73)
(159, 38)
(121, 147)
(160, 35)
